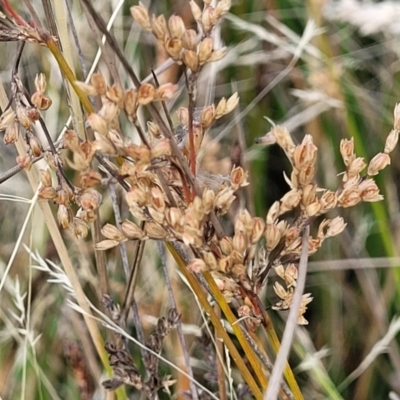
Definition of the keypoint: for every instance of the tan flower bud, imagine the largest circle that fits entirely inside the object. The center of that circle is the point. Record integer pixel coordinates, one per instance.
(131, 230)
(208, 199)
(221, 108)
(304, 154)
(217, 55)
(111, 232)
(136, 195)
(347, 151)
(115, 94)
(240, 242)
(41, 101)
(306, 175)
(236, 257)
(131, 103)
(40, 82)
(225, 264)
(23, 117)
(146, 93)
(284, 139)
(64, 216)
(232, 103)
(312, 208)
(238, 178)
(106, 244)
(224, 199)
(226, 245)
(258, 226)
(222, 8)
(356, 166)
(396, 124)
(7, 118)
(62, 197)
(89, 199)
(12, 133)
(309, 194)
(71, 140)
(176, 26)
(154, 129)
(103, 145)
(160, 29)
(391, 141)
(369, 191)
(157, 199)
(238, 270)
(378, 163)
(328, 201)
(208, 19)
(197, 265)
(173, 217)
(205, 49)
(161, 148)
(336, 227)
(349, 197)
(155, 231)
(291, 274)
(25, 161)
(289, 201)
(47, 193)
(210, 260)
(80, 228)
(141, 16)
(189, 40)
(173, 47)
(272, 236)
(166, 91)
(45, 177)
(35, 146)
(196, 11)
(98, 124)
(99, 83)
(86, 215)
(273, 213)
(33, 113)
(191, 60)
(207, 116)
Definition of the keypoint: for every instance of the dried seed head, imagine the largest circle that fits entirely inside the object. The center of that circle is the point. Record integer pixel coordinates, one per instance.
(196, 11)
(62, 196)
(98, 124)
(207, 116)
(205, 49)
(166, 91)
(306, 175)
(210, 261)
(161, 148)
(197, 265)
(240, 242)
(347, 151)
(64, 216)
(33, 113)
(131, 103)
(304, 155)
(136, 196)
(23, 117)
(191, 60)
(160, 29)
(312, 209)
(35, 146)
(222, 8)
(208, 19)
(25, 162)
(45, 177)
(272, 236)
(369, 191)
(89, 199)
(176, 26)
(328, 201)
(99, 83)
(154, 129)
(47, 193)
(80, 228)
(290, 201)
(208, 199)
(391, 140)
(131, 230)
(273, 213)
(356, 166)
(284, 139)
(258, 226)
(238, 178)
(109, 110)
(71, 140)
(189, 40)
(7, 118)
(146, 93)
(173, 47)
(106, 244)
(349, 197)
(41, 101)
(378, 163)
(141, 16)
(155, 231)
(12, 133)
(111, 232)
(226, 245)
(40, 83)
(336, 227)
(115, 94)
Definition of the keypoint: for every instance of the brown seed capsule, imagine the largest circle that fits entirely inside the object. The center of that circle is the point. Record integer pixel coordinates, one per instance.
(189, 40)
(25, 161)
(111, 232)
(205, 49)
(378, 163)
(166, 91)
(47, 193)
(391, 140)
(35, 146)
(176, 26)
(141, 16)
(191, 60)
(64, 216)
(45, 177)
(347, 151)
(160, 29)
(207, 116)
(40, 82)
(173, 47)
(349, 197)
(99, 83)
(369, 191)
(146, 93)
(131, 230)
(12, 133)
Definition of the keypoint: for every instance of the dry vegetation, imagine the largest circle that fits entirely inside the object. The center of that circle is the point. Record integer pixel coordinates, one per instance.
(150, 249)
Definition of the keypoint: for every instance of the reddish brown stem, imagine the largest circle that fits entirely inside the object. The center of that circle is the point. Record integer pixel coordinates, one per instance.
(14, 14)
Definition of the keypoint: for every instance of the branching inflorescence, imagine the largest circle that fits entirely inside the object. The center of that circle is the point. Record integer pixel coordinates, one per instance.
(166, 199)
